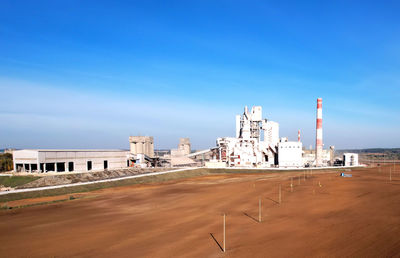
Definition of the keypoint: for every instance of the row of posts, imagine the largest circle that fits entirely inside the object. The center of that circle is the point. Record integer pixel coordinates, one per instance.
(260, 204)
(280, 198)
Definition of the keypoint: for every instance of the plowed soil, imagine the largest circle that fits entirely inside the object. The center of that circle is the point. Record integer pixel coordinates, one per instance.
(324, 215)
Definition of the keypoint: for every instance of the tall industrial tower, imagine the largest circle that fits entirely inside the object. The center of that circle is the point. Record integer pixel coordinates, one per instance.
(318, 143)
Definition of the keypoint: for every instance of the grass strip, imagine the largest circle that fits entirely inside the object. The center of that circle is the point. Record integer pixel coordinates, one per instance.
(13, 181)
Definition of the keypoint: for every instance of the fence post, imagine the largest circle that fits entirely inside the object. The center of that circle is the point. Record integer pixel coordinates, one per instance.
(291, 184)
(224, 233)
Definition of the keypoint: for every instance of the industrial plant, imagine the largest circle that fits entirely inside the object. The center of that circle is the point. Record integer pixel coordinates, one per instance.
(257, 144)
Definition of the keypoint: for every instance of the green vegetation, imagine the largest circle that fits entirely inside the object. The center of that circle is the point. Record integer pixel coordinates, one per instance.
(13, 181)
(133, 181)
(6, 162)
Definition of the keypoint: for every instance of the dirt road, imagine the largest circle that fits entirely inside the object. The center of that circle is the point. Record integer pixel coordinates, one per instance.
(326, 215)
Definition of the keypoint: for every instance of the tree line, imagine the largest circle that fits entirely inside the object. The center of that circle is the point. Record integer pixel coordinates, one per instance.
(6, 162)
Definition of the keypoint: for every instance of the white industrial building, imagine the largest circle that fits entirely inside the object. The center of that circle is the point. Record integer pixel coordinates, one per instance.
(290, 154)
(248, 149)
(68, 160)
(257, 144)
(350, 159)
(309, 158)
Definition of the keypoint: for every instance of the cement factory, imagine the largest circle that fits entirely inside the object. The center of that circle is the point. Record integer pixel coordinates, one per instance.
(256, 144)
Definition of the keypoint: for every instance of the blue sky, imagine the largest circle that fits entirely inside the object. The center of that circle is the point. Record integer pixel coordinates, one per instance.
(87, 74)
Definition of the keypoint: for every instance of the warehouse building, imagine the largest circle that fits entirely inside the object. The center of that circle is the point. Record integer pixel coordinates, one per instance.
(40, 161)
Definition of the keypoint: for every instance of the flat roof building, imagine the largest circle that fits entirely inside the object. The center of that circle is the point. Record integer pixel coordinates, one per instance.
(350, 159)
(40, 161)
(290, 154)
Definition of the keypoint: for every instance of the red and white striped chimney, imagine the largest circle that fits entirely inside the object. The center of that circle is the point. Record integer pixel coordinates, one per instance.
(298, 136)
(318, 144)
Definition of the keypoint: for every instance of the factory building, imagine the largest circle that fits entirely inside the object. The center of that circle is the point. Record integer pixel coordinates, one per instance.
(290, 154)
(248, 149)
(183, 149)
(350, 159)
(40, 161)
(257, 144)
(179, 157)
(310, 161)
(141, 151)
(142, 145)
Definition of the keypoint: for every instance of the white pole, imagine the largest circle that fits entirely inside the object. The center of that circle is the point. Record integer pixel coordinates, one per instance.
(224, 233)
(291, 184)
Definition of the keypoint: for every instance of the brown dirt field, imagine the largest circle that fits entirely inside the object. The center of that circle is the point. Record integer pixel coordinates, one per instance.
(346, 217)
(31, 201)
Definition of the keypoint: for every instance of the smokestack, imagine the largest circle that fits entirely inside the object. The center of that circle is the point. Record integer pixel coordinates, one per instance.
(318, 143)
(298, 136)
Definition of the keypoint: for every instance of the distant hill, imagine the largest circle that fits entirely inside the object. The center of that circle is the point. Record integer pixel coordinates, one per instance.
(375, 153)
(372, 150)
